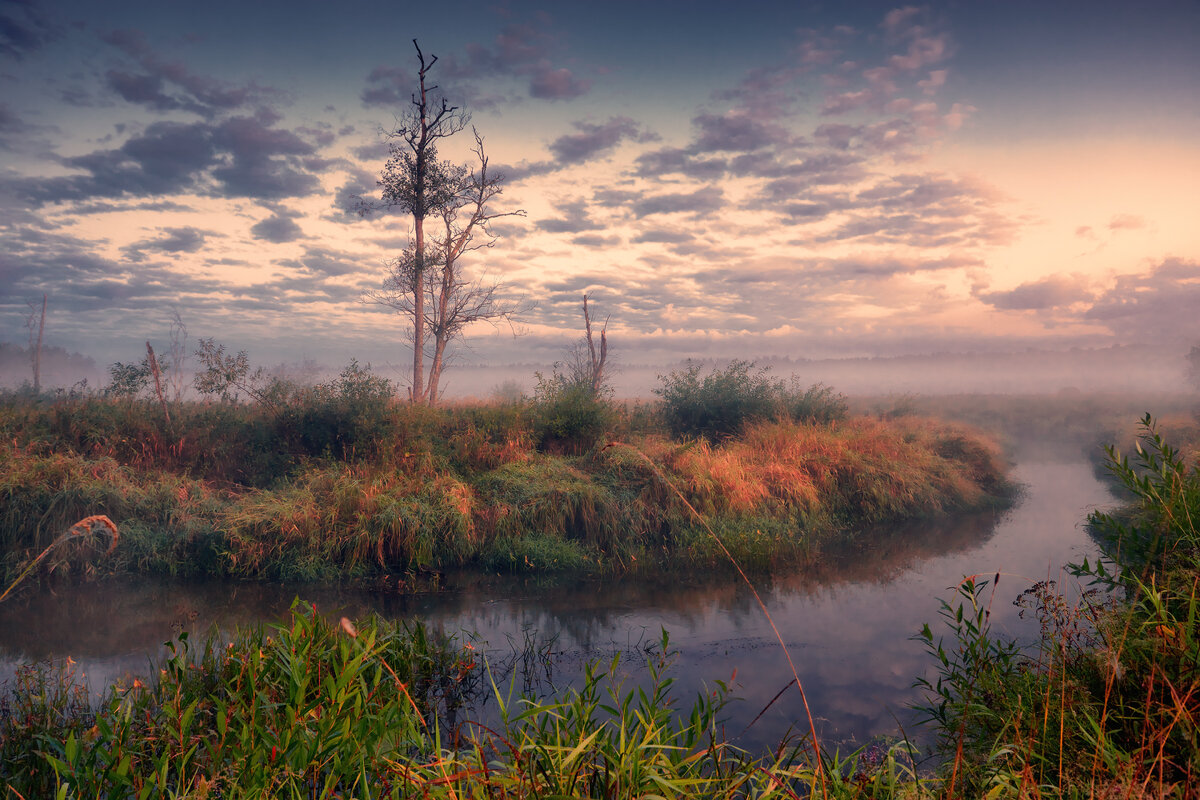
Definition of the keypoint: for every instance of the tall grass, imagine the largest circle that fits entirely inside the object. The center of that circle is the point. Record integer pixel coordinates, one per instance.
(314, 492)
(1107, 702)
(368, 709)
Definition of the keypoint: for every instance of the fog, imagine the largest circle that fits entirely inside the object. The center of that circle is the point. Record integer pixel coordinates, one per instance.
(1140, 369)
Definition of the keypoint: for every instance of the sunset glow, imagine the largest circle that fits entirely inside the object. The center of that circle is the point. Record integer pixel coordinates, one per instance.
(794, 179)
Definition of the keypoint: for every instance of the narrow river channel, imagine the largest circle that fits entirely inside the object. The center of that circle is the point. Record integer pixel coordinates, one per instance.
(847, 623)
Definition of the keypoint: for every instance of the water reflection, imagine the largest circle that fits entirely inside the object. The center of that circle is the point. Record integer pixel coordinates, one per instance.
(846, 621)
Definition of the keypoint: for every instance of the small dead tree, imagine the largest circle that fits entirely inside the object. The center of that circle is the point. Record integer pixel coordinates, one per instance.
(596, 372)
(35, 343)
(158, 381)
(178, 360)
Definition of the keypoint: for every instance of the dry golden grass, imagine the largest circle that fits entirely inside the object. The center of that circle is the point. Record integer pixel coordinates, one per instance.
(785, 467)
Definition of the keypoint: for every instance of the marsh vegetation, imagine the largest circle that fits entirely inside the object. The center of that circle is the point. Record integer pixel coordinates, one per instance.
(1103, 702)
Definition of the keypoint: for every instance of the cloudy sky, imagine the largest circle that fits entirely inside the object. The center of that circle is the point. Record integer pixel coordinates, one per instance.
(739, 179)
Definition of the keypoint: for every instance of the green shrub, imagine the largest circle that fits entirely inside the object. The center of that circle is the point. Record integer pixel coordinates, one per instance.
(722, 403)
(343, 418)
(818, 403)
(568, 417)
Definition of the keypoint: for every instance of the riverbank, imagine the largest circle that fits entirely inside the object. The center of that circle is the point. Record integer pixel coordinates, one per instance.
(1104, 704)
(363, 490)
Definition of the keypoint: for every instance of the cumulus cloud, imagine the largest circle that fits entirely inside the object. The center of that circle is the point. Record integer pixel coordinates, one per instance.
(701, 201)
(734, 131)
(1055, 291)
(324, 262)
(176, 240)
(1155, 307)
(236, 157)
(575, 219)
(595, 139)
(165, 85)
(277, 228)
(683, 161)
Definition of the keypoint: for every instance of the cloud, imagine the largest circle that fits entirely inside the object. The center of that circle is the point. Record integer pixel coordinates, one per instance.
(663, 236)
(177, 240)
(596, 139)
(519, 50)
(324, 262)
(575, 219)
(1126, 222)
(668, 160)
(701, 201)
(164, 85)
(592, 240)
(24, 29)
(1055, 291)
(557, 84)
(1157, 307)
(734, 131)
(257, 169)
(277, 228)
(237, 157)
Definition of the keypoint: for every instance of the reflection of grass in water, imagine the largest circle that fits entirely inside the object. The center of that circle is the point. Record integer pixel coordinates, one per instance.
(95, 524)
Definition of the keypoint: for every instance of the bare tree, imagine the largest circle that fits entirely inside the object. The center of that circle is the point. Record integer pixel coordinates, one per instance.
(426, 282)
(596, 372)
(179, 335)
(35, 344)
(585, 362)
(417, 182)
(156, 373)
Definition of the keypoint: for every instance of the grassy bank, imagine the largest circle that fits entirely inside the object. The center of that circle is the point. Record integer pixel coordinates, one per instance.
(1106, 704)
(349, 483)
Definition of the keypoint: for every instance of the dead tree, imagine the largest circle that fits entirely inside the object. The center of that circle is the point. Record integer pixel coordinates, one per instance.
(158, 382)
(35, 345)
(596, 372)
(455, 301)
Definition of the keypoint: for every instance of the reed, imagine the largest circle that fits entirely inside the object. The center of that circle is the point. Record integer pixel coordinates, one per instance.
(97, 524)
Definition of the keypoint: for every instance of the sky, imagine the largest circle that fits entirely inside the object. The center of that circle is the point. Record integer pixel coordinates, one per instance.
(800, 179)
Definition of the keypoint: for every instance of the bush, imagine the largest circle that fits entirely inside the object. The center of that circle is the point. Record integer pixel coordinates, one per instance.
(723, 402)
(342, 418)
(568, 417)
(818, 403)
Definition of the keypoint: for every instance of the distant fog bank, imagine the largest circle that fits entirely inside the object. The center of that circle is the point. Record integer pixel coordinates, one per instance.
(1112, 369)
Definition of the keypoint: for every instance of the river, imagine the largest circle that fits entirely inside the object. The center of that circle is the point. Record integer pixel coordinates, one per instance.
(847, 624)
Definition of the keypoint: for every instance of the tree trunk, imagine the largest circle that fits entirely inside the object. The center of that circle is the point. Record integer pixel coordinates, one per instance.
(37, 351)
(419, 312)
(158, 387)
